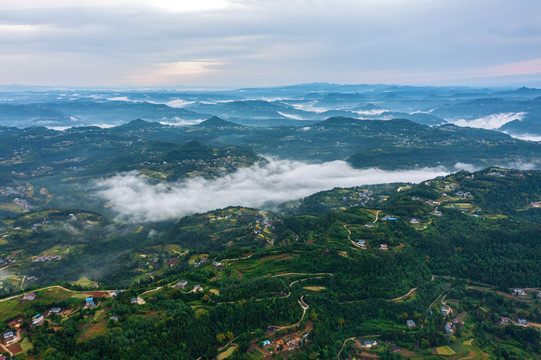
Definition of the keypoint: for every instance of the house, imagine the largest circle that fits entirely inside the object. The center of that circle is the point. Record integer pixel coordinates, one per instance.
(369, 225)
(197, 288)
(181, 284)
(29, 297)
(522, 322)
(114, 318)
(449, 328)
(134, 301)
(16, 323)
(266, 343)
(390, 218)
(10, 338)
(361, 243)
(519, 292)
(415, 221)
(280, 342)
(444, 310)
(89, 302)
(37, 320)
(437, 213)
(295, 342)
(116, 292)
(369, 343)
(410, 323)
(384, 247)
(504, 320)
(217, 264)
(55, 310)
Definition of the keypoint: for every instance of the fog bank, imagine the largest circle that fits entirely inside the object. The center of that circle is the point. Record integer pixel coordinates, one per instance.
(135, 198)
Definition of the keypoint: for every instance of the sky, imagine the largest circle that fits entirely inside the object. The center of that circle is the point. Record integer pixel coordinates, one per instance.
(235, 43)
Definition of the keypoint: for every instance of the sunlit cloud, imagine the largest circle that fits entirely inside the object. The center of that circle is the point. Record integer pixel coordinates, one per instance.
(174, 72)
(516, 68)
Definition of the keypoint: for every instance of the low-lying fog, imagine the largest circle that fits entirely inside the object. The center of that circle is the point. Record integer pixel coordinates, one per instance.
(135, 198)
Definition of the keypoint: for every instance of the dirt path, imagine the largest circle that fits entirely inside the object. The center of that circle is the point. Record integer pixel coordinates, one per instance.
(6, 349)
(140, 300)
(45, 288)
(305, 274)
(349, 238)
(377, 215)
(58, 287)
(432, 304)
(403, 296)
(226, 345)
(304, 307)
(349, 232)
(353, 339)
(240, 258)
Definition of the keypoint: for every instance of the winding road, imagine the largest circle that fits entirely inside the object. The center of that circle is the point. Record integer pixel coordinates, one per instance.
(377, 214)
(403, 296)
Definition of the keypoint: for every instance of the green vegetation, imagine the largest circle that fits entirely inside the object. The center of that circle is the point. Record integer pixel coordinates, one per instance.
(344, 264)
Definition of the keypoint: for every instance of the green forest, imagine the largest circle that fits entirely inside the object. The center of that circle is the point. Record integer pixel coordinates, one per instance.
(445, 269)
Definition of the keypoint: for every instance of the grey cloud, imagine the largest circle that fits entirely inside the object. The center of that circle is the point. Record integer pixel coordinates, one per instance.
(276, 42)
(136, 198)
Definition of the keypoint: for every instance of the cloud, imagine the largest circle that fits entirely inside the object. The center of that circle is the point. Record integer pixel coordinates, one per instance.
(135, 198)
(310, 107)
(182, 122)
(291, 116)
(371, 112)
(174, 72)
(520, 165)
(120, 98)
(467, 167)
(491, 122)
(7, 28)
(529, 137)
(110, 42)
(178, 103)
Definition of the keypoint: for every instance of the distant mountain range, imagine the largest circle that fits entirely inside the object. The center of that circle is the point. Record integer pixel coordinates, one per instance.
(295, 105)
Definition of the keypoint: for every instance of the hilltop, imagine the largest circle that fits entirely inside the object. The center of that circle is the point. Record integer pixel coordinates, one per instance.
(216, 122)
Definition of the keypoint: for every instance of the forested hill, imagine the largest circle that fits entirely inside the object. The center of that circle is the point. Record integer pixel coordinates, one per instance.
(39, 154)
(392, 144)
(450, 248)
